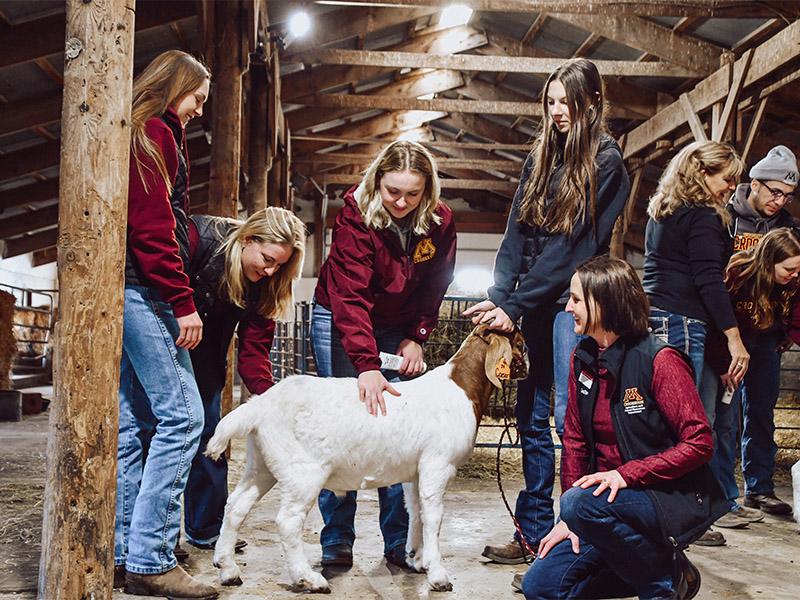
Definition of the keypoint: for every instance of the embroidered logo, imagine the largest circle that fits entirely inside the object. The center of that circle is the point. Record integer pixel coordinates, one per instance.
(633, 401)
(791, 176)
(425, 250)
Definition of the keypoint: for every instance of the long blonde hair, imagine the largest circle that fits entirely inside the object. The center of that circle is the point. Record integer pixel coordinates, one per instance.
(275, 226)
(578, 149)
(752, 272)
(400, 156)
(683, 181)
(167, 79)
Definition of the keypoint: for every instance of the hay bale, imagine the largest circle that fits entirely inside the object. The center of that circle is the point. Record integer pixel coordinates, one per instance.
(8, 343)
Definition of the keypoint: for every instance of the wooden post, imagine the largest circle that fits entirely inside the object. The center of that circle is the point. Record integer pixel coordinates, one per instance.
(223, 192)
(258, 141)
(78, 528)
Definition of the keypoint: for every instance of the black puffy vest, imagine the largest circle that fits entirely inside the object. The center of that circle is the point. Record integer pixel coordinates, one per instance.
(685, 506)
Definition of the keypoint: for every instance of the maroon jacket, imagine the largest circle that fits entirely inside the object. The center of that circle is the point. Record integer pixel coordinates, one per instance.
(672, 380)
(369, 281)
(157, 219)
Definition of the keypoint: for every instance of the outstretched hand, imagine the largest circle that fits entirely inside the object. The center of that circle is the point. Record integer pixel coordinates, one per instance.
(371, 385)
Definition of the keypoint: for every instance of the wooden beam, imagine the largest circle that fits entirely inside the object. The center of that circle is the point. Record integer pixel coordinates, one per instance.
(343, 158)
(44, 257)
(29, 221)
(666, 8)
(258, 155)
(719, 126)
(40, 191)
(30, 243)
(696, 55)
(492, 64)
(314, 80)
(485, 128)
(80, 483)
(394, 123)
(29, 160)
(777, 52)
(441, 104)
(755, 125)
(443, 144)
(407, 87)
(453, 184)
(43, 37)
(351, 22)
(693, 120)
(226, 112)
(24, 114)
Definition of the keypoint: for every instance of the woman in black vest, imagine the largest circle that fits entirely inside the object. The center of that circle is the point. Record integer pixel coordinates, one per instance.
(242, 275)
(636, 443)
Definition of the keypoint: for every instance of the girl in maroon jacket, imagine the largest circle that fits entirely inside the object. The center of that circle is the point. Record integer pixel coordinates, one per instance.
(159, 399)
(390, 262)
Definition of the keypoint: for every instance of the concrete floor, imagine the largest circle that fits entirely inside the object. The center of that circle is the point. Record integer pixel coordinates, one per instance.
(761, 562)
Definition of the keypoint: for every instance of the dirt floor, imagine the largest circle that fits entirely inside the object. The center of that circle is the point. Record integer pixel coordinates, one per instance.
(760, 562)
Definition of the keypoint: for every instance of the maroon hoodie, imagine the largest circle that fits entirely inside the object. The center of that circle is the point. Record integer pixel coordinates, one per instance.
(369, 281)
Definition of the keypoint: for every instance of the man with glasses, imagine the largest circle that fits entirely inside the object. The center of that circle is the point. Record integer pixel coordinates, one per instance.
(755, 208)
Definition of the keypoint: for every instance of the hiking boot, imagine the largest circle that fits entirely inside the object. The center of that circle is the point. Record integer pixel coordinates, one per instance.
(175, 583)
(751, 515)
(337, 555)
(730, 521)
(512, 553)
(516, 583)
(119, 576)
(710, 538)
(688, 582)
(768, 503)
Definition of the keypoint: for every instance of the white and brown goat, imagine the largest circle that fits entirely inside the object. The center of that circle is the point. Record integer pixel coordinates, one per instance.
(309, 433)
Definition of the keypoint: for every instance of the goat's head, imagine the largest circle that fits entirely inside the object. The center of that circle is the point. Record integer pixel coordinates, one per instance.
(506, 355)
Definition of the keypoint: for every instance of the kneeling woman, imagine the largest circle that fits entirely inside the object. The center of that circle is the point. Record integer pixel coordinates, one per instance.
(242, 274)
(636, 444)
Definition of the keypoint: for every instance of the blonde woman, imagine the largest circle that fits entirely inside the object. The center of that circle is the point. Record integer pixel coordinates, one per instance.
(685, 256)
(242, 274)
(390, 262)
(160, 413)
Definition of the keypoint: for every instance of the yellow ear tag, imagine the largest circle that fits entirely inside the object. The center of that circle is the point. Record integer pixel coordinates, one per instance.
(502, 370)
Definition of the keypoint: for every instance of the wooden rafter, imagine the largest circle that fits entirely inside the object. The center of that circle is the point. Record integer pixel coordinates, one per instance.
(442, 144)
(668, 8)
(382, 102)
(772, 55)
(493, 64)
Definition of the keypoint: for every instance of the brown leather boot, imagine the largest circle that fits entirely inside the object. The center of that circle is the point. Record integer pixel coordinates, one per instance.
(511, 553)
(175, 583)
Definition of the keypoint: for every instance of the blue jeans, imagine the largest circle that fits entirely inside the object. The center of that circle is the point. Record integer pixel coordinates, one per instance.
(726, 443)
(685, 333)
(759, 395)
(619, 552)
(550, 337)
(339, 513)
(160, 416)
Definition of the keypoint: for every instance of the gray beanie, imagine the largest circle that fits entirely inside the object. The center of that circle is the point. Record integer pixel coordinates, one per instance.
(779, 164)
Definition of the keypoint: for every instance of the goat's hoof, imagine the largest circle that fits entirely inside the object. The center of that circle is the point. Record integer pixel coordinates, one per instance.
(440, 586)
(234, 581)
(315, 584)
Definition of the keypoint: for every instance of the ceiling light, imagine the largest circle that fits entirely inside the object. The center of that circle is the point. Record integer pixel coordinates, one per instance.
(299, 24)
(455, 15)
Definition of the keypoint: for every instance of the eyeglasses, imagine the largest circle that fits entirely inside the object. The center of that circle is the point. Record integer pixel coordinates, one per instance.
(778, 195)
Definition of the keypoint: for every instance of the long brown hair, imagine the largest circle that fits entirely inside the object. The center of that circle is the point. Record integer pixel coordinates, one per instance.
(683, 181)
(752, 273)
(167, 79)
(577, 149)
(400, 156)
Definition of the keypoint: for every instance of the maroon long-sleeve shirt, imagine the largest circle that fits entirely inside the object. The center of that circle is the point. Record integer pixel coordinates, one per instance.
(151, 220)
(679, 404)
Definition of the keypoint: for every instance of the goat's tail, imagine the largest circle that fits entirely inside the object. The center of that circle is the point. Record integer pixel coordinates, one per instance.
(237, 423)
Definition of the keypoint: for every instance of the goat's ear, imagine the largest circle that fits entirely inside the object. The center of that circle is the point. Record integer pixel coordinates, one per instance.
(498, 360)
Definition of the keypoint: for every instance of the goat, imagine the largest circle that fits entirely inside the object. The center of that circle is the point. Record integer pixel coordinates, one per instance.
(308, 433)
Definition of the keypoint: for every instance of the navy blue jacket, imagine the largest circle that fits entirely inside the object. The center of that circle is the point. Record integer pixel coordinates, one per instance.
(532, 268)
